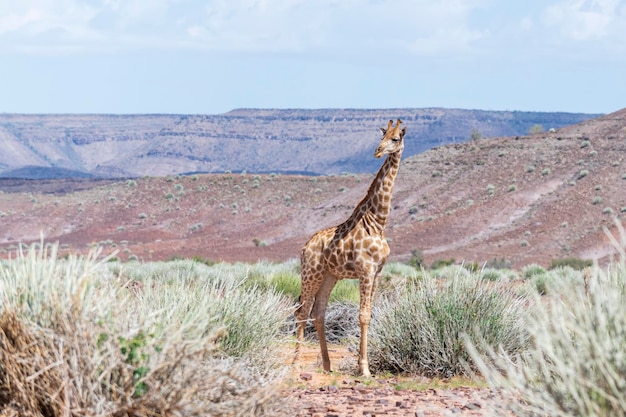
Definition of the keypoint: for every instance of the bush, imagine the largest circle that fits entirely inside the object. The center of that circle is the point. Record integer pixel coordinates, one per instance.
(576, 359)
(574, 263)
(440, 263)
(341, 323)
(417, 259)
(532, 270)
(69, 326)
(419, 330)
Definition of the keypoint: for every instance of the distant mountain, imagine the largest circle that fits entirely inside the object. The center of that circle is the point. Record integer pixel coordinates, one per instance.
(254, 140)
(518, 200)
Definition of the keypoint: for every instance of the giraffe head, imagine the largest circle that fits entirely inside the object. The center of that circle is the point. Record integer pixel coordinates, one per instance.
(392, 140)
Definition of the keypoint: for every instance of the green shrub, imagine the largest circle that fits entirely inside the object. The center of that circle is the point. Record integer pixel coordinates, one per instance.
(440, 263)
(419, 330)
(532, 270)
(498, 263)
(345, 290)
(574, 263)
(491, 274)
(417, 259)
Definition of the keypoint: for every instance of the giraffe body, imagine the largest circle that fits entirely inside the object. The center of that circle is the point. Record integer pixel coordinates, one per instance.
(355, 249)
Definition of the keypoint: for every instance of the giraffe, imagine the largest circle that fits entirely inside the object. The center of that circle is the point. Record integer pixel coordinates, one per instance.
(355, 249)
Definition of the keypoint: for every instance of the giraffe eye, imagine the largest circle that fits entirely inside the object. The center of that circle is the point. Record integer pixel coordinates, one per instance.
(395, 139)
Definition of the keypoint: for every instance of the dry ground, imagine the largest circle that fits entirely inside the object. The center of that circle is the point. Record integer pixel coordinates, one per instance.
(341, 393)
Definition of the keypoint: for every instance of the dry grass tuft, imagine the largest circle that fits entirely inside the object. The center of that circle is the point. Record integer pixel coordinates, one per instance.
(576, 360)
(68, 346)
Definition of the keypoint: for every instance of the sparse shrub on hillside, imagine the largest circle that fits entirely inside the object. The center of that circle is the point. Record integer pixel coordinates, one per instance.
(545, 171)
(607, 210)
(420, 329)
(142, 215)
(575, 362)
(512, 187)
(413, 210)
(585, 143)
(131, 183)
(596, 200)
(524, 243)
(491, 189)
(258, 242)
(417, 259)
(534, 129)
(498, 263)
(196, 227)
(437, 173)
(583, 173)
(475, 135)
(530, 168)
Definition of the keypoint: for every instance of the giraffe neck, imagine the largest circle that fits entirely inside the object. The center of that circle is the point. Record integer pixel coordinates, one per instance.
(375, 207)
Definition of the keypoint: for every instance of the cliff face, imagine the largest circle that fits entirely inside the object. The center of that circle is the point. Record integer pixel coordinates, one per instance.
(253, 140)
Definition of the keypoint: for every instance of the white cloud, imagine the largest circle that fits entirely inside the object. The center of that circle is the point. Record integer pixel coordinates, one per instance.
(336, 26)
(587, 20)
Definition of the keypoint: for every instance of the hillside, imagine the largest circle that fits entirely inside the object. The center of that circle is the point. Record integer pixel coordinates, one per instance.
(527, 199)
(256, 141)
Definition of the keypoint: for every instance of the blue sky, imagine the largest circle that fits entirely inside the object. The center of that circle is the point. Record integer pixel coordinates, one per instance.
(207, 57)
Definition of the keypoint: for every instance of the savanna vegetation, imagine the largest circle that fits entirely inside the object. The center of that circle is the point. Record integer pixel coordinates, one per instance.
(88, 335)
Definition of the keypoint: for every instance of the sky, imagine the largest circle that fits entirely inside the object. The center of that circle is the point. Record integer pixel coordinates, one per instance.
(211, 56)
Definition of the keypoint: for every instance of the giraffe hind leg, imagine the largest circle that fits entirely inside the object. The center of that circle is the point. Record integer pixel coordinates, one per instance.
(319, 317)
(310, 286)
(302, 315)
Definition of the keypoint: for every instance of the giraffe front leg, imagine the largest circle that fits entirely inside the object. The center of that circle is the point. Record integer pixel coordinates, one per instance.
(367, 288)
(364, 321)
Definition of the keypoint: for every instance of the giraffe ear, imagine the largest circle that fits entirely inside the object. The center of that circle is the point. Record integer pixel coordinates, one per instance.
(403, 132)
(383, 130)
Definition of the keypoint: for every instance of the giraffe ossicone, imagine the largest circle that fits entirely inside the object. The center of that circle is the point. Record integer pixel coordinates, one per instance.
(355, 249)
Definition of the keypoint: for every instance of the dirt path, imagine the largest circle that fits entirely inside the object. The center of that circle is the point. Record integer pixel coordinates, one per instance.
(341, 393)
